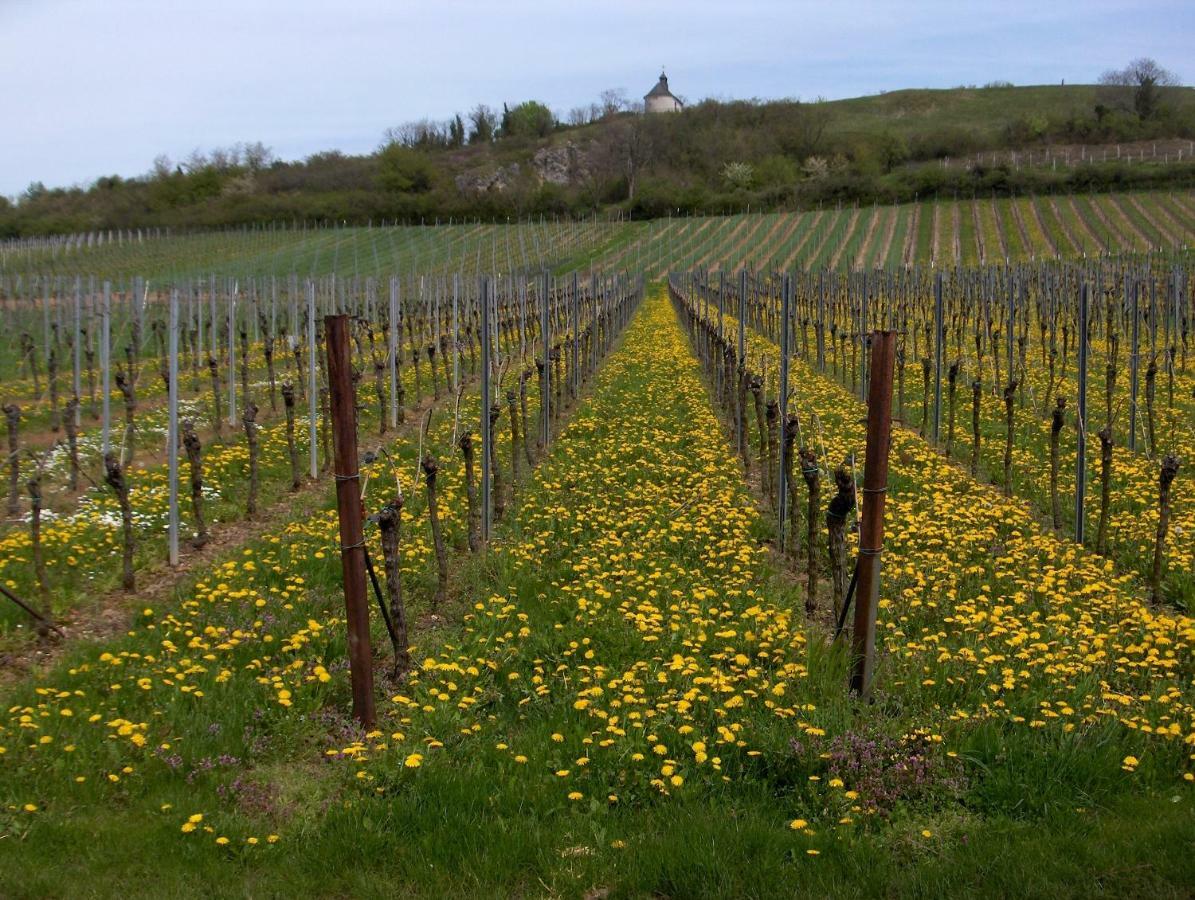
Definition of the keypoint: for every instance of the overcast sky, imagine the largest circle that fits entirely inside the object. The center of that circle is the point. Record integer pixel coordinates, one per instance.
(97, 87)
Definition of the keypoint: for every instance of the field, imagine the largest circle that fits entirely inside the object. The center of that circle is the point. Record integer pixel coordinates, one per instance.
(606, 651)
(943, 233)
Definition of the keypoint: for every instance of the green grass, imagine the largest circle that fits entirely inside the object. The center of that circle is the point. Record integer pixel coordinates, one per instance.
(982, 112)
(1040, 812)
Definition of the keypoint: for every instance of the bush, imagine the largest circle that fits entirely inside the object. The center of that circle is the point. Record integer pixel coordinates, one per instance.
(402, 170)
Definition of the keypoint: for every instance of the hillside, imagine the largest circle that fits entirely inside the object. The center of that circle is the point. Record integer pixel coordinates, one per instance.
(715, 157)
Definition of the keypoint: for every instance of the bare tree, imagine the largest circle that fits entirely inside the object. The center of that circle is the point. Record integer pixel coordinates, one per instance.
(624, 151)
(1138, 87)
(613, 101)
(483, 122)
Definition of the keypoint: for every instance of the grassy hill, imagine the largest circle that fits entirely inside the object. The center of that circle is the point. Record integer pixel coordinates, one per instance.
(715, 157)
(983, 111)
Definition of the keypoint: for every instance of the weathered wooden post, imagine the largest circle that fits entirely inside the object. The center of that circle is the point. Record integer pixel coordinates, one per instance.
(786, 299)
(172, 432)
(1081, 414)
(871, 529)
(939, 349)
(312, 385)
(348, 508)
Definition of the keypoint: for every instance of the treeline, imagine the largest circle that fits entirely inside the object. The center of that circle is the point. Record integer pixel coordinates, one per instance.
(714, 157)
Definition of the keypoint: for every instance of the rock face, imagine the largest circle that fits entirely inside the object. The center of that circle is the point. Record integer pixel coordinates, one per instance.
(560, 165)
(482, 182)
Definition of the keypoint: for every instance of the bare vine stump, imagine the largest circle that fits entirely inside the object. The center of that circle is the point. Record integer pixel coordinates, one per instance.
(1151, 386)
(840, 507)
(558, 382)
(390, 525)
(431, 361)
(125, 383)
(379, 386)
(292, 450)
(52, 379)
(1101, 540)
(791, 427)
(499, 495)
(515, 441)
(249, 420)
(1010, 396)
(195, 460)
(1166, 477)
(12, 418)
(741, 411)
(473, 513)
(773, 419)
(952, 391)
(244, 340)
(1057, 421)
(445, 344)
(269, 354)
(976, 399)
(925, 396)
(527, 451)
(418, 384)
(29, 352)
(89, 355)
(755, 385)
(543, 403)
(297, 353)
(72, 443)
(813, 484)
(39, 559)
(115, 477)
(433, 513)
(213, 368)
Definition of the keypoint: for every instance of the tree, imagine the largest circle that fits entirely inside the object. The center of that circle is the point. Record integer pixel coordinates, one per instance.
(403, 170)
(456, 131)
(802, 131)
(1138, 87)
(424, 134)
(625, 150)
(613, 101)
(739, 175)
(529, 119)
(258, 156)
(482, 121)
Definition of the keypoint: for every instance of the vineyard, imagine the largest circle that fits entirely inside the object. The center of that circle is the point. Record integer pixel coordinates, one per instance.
(943, 233)
(849, 551)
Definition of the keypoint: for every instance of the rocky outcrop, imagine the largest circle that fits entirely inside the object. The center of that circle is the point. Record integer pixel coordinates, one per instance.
(561, 165)
(483, 182)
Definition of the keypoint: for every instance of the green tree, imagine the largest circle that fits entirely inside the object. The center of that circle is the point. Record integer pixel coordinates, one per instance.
(402, 170)
(1139, 86)
(529, 119)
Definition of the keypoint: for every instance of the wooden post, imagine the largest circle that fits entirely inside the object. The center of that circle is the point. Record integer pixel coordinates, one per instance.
(1081, 413)
(487, 432)
(348, 508)
(786, 298)
(939, 350)
(172, 433)
(871, 530)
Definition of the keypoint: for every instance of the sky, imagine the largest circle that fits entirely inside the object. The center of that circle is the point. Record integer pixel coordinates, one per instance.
(101, 87)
